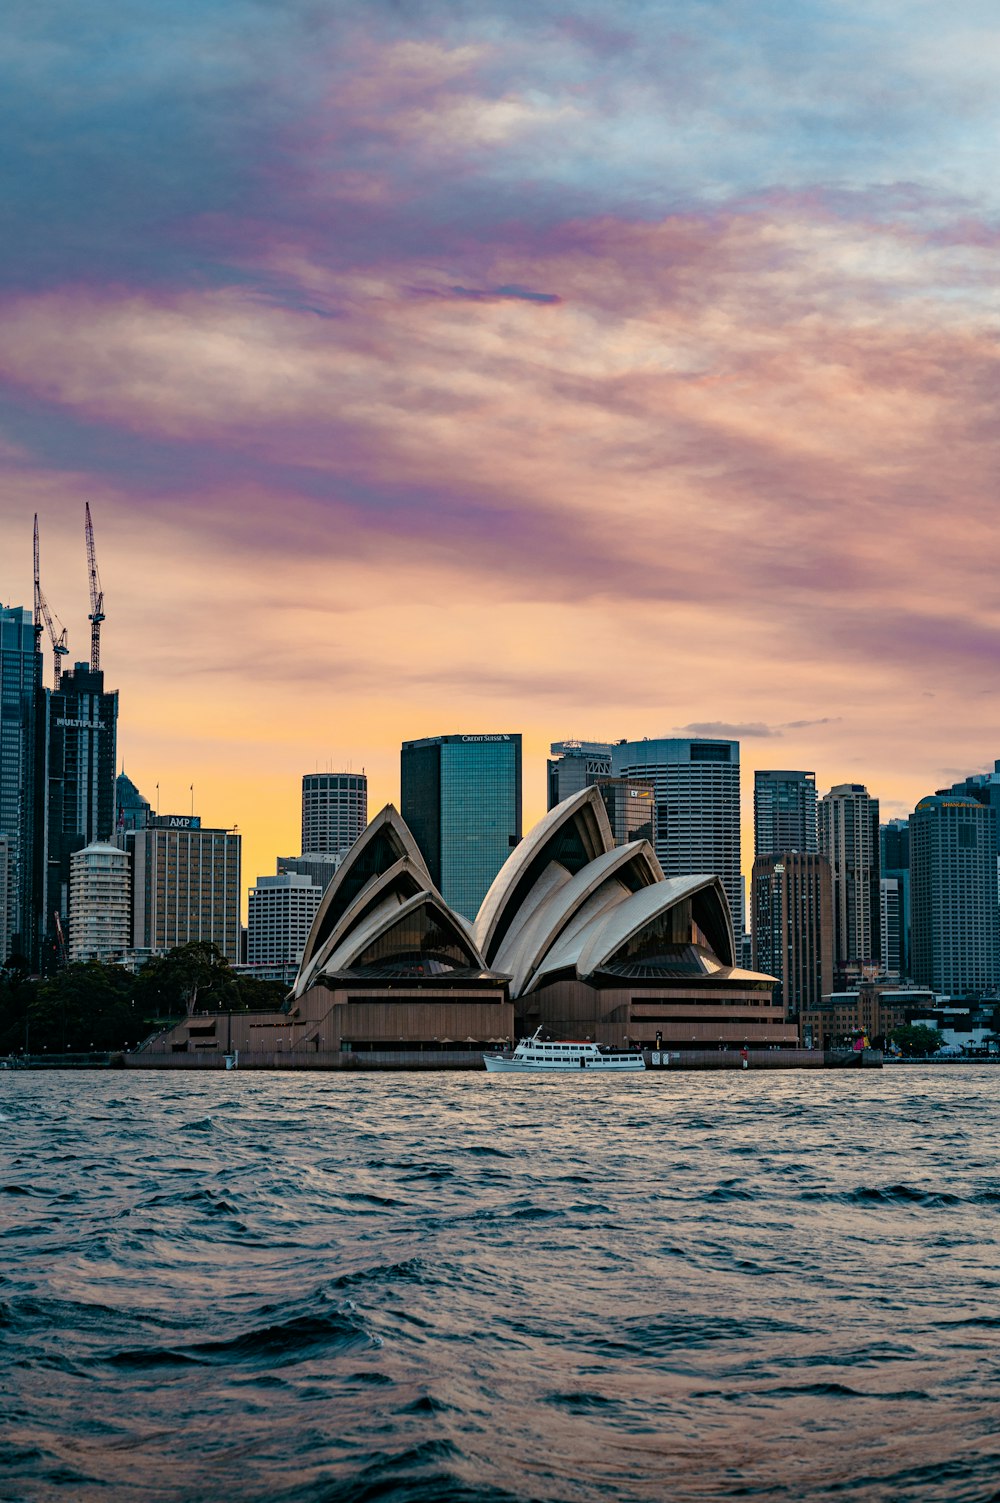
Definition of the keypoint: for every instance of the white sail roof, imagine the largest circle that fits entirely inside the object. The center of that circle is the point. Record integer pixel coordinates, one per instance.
(573, 833)
(386, 842)
(589, 946)
(603, 882)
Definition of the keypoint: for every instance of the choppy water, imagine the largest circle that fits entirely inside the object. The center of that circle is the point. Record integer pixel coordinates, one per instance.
(475, 1288)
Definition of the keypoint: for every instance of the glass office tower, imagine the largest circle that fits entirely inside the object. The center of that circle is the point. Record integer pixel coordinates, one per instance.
(784, 812)
(76, 728)
(894, 845)
(461, 797)
(20, 676)
(953, 887)
(631, 809)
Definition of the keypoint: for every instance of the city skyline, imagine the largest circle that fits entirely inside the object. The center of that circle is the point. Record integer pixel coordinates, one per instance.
(266, 833)
(607, 374)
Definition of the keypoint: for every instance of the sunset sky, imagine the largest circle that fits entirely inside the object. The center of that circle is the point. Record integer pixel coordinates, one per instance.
(579, 369)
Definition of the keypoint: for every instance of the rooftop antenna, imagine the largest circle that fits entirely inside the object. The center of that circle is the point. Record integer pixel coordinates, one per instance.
(43, 614)
(96, 594)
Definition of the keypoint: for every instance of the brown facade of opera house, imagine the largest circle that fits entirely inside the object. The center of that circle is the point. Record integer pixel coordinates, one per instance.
(354, 1015)
(735, 1015)
(576, 935)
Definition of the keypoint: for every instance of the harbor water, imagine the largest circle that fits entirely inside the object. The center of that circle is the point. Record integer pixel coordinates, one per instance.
(482, 1289)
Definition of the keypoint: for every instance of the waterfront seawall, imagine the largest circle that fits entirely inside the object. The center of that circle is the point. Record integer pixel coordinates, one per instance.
(309, 1059)
(405, 1059)
(765, 1059)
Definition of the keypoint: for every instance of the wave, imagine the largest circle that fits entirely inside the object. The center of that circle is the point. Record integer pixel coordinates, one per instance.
(832, 1390)
(642, 1336)
(415, 1475)
(286, 1341)
(408, 1271)
(579, 1403)
(873, 1195)
(435, 1487)
(731, 1189)
(203, 1199)
(901, 1195)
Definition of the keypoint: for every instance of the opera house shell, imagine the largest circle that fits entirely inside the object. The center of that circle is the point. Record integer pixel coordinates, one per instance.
(576, 934)
(596, 941)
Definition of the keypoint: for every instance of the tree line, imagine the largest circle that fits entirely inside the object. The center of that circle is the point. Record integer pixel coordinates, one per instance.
(89, 1007)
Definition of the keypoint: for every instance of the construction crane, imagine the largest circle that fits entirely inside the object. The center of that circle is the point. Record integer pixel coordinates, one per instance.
(43, 614)
(61, 946)
(96, 595)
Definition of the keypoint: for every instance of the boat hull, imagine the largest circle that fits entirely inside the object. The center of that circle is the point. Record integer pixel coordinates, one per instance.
(627, 1065)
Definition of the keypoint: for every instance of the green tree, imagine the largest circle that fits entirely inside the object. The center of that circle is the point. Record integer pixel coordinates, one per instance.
(916, 1039)
(197, 973)
(17, 990)
(83, 1007)
(261, 996)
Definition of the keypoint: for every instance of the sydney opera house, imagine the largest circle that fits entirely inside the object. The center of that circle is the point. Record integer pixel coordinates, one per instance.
(584, 937)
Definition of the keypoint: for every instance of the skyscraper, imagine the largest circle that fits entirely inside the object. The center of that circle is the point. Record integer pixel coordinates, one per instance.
(280, 912)
(890, 926)
(984, 787)
(461, 797)
(953, 896)
(334, 810)
(792, 904)
(185, 884)
(784, 812)
(76, 728)
(20, 677)
(6, 876)
(573, 765)
(631, 809)
(894, 850)
(696, 784)
(849, 838)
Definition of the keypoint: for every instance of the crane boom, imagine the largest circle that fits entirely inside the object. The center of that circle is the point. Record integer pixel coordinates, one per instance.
(96, 593)
(38, 591)
(43, 614)
(61, 939)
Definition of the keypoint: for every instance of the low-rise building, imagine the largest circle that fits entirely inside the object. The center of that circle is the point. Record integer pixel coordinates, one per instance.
(875, 1009)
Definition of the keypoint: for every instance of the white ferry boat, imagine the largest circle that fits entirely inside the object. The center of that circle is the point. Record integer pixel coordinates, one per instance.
(537, 1053)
